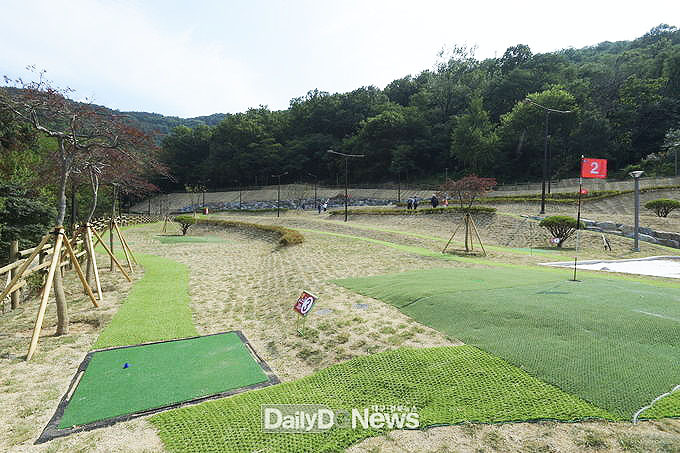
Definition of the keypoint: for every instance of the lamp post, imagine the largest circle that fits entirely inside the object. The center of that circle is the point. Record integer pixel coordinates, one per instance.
(636, 176)
(278, 196)
(548, 111)
(316, 182)
(238, 183)
(346, 156)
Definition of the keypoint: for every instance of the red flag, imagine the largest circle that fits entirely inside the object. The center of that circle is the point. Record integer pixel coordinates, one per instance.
(594, 168)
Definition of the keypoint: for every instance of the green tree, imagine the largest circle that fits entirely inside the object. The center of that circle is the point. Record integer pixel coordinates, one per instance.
(473, 139)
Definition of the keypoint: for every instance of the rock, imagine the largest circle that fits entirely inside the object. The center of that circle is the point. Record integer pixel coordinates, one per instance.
(648, 238)
(670, 243)
(607, 225)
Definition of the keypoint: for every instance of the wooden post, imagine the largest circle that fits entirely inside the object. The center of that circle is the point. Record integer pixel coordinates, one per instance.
(95, 269)
(79, 271)
(125, 244)
(13, 257)
(122, 245)
(111, 255)
(56, 258)
(113, 217)
(24, 266)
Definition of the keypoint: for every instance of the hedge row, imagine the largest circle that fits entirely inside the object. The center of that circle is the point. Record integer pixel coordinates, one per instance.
(286, 235)
(419, 211)
(569, 197)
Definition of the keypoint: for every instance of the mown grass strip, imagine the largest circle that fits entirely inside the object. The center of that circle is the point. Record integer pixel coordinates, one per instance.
(447, 385)
(157, 307)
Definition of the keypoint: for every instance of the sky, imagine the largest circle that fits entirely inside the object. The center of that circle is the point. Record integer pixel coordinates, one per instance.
(192, 58)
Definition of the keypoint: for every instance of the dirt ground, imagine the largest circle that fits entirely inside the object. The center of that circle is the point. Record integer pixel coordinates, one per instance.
(249, 283)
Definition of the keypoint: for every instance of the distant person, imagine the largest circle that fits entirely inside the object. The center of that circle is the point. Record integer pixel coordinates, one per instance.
(318, 206)
(415, 202)
(434, 200)
(446, 201)
(325, 206)
(409, 203)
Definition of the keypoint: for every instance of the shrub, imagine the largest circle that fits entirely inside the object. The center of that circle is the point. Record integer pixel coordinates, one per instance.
(561, 227)
(185, 222)
(286, 236)
(663, 206)
(419, 211)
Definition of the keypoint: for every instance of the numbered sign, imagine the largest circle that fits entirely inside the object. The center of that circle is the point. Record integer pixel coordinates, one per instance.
(594, 168)
(304, 303)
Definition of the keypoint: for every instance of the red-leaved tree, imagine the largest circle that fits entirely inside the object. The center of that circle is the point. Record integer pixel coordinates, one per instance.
(91, 141)
(467, 190)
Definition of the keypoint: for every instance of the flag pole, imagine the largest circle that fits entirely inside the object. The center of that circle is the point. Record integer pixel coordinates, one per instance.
(578, 217)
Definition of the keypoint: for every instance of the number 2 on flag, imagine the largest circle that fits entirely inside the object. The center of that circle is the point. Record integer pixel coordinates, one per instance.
(593, 168)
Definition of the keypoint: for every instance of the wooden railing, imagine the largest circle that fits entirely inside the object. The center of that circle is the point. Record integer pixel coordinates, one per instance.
(18, 257)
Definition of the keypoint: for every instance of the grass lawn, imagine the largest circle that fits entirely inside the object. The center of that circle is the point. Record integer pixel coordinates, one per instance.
(187, 239)
(447, 385)
(157, 307)
(612, 341)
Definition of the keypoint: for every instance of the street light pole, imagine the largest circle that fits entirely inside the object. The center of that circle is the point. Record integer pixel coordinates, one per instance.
(636, 176)
(278, 196)
(346, 156)
(316, 182)
(548, 111)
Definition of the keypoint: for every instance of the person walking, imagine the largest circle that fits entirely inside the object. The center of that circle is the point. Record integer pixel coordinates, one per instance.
(434, 200)
(409, 203)
(415, 202)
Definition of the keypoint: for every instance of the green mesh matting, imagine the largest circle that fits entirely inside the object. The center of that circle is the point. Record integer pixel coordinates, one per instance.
(613, 342)
(156, 308)
(188, 239)
(136, 379)
(447, 385)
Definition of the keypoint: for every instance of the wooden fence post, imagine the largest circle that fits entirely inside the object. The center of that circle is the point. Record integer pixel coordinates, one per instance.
(14, 256)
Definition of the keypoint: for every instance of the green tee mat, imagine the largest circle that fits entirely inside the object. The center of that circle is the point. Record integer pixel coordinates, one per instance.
(612, 341)
(122, 383)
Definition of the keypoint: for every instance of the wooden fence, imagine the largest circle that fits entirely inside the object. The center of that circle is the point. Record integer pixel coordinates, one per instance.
(18, 257)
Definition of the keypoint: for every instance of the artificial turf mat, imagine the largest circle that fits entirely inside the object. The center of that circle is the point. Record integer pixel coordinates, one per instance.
(157, 306)
(447, 385)
(188, 239)
(132, 379)
(613, 342)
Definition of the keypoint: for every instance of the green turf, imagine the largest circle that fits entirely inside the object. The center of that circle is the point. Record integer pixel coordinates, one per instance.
(158, 375)
(188, 239)
(589, 338)
(157, 307)
(447, 385)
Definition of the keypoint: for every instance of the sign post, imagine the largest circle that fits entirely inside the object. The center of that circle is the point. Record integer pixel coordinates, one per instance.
(590, 168)
(303, 306)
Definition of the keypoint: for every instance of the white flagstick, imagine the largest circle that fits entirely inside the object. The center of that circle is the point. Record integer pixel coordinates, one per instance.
(578, 219)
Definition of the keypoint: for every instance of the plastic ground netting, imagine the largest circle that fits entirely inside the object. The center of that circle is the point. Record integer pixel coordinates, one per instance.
(447, 385)
(613, 342)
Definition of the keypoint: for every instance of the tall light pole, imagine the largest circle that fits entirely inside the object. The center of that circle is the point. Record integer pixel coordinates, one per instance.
(238, 183)
(316, 182)
(278, 197)
(346, 156)
(548, 111)
(636, 176)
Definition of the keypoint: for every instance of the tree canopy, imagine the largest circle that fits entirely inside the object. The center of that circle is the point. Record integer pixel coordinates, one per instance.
(463, 114)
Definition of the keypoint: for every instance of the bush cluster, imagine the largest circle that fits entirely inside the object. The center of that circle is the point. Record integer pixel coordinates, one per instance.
(663, 206)
(286, 236)
(419, 211)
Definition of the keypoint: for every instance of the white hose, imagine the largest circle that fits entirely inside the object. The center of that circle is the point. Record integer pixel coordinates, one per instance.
(637, 414)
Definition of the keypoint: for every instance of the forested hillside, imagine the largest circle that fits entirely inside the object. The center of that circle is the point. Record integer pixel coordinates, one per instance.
(465, 115)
